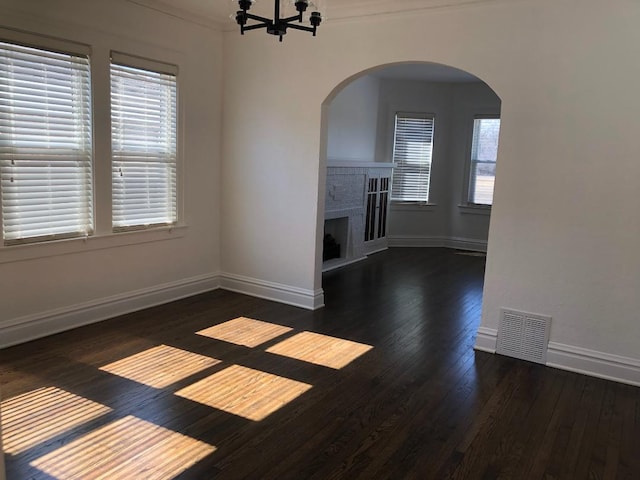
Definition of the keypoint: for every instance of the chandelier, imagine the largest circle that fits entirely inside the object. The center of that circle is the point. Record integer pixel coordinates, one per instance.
(277, 26)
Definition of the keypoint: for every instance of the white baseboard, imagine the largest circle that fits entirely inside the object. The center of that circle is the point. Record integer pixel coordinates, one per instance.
(398, 241)
(24, 329)
(376, 250)
(31, 327)
(339, 263)
(446, 242)
(486, 340)
(575, 359)
(594, 363)
(474, 245)
(299, 297)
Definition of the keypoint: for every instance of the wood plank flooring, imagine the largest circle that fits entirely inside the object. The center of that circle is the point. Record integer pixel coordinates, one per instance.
(381, 384)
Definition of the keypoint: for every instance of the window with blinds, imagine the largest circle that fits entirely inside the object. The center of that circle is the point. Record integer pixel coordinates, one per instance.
(412, 152)
(143, 129)
(484, 152)
(45, 144)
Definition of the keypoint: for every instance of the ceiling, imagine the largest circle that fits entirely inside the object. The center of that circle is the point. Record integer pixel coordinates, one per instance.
(425, 72)
(221, 12)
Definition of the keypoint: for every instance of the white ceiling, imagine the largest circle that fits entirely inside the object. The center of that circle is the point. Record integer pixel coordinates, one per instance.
(221, 12)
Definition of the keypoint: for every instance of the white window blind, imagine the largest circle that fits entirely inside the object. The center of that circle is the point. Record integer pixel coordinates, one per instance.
(484, 152)
(143, 129)
(45, 144)
(412, 152)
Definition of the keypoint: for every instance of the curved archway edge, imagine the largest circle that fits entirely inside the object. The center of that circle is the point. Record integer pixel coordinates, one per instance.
(426, 65)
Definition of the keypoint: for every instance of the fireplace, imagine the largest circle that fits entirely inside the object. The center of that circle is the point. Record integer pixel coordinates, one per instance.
(345, 208)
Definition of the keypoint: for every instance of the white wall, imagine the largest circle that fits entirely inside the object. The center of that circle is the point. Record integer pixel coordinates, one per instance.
(564, 227)
(353, 121)
(469, 100)
(44, 288)
(422, 97)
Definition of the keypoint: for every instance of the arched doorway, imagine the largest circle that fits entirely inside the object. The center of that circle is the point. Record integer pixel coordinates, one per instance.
(364, 208)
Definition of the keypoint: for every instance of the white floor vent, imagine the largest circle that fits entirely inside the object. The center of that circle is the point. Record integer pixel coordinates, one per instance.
(523, 335)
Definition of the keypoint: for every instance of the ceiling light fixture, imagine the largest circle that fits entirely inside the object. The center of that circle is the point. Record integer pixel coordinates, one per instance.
(277, 26)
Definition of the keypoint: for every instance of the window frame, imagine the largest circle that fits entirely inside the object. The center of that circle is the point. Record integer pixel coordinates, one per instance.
(103, 236)
(466, 205)
(154, 67)
(55, 46)
(413, 115)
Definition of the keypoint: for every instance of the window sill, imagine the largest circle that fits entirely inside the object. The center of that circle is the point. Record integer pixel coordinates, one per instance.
(30, 251)
(413, 207)
(471, 209)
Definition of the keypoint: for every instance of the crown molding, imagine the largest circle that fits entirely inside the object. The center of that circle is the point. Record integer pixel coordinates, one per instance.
(364, 8)
(212, 21)
(216, 14)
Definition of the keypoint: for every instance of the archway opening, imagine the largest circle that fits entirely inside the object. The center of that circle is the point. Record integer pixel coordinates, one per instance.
(408, 159)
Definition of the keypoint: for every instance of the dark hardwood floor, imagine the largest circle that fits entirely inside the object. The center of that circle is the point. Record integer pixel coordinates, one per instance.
(390, 387)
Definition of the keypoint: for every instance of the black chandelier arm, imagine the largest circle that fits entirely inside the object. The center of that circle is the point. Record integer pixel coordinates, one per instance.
(296, 18)
(302, 27)
(257, 18)
(253, 27)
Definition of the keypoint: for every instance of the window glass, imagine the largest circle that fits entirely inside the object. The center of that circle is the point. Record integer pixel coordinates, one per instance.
(484, 152)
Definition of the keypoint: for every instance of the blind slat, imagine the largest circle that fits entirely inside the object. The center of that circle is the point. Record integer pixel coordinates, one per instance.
(143, 124)
(412, 153)
(45, 144)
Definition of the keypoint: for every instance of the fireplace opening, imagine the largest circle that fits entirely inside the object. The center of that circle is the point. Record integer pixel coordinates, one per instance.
(336, 236)
(330, 248)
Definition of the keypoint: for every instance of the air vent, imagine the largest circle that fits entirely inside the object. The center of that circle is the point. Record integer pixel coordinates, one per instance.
(523, 335)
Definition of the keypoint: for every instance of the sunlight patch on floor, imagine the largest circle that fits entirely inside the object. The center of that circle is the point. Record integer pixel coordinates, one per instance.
(245, 392)
(320, 349)
(160, 366)
(40, 415)
(125, 449)
(245, 331)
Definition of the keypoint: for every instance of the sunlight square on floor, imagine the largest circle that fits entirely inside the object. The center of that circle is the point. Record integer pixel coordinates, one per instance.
(125, 449)
(245, 392)
(320, 349)
(40, 415)
(160, 366)
(245, 331)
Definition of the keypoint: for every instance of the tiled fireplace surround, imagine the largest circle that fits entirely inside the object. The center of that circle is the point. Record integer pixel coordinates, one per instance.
(345, 207)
